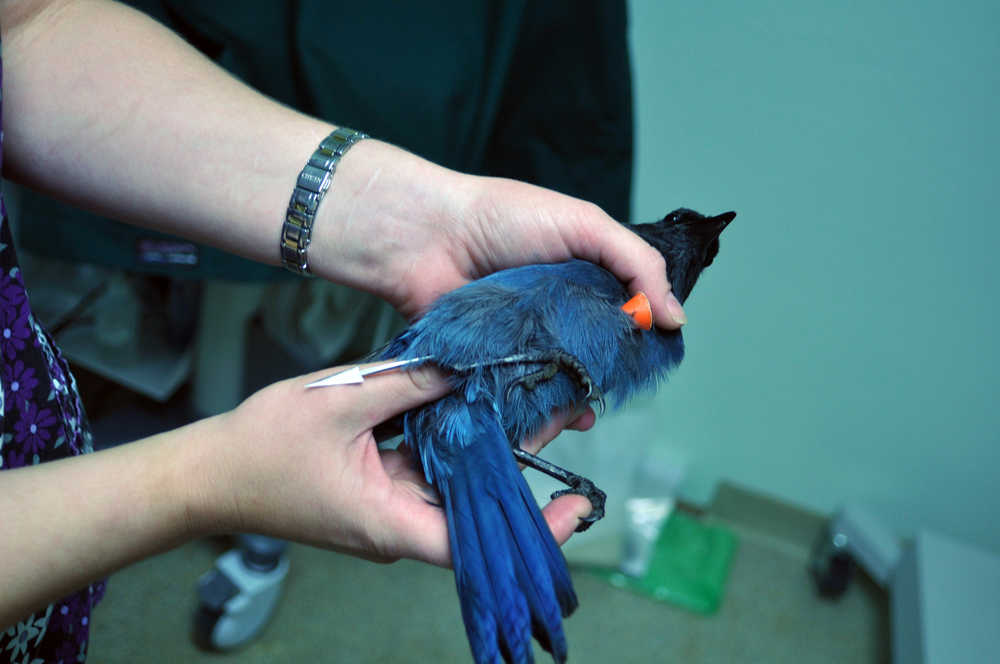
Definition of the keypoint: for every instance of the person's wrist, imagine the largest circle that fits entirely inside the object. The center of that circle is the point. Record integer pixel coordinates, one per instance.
(200, 478)
(311, 187)
(343, 241)
(384, 206)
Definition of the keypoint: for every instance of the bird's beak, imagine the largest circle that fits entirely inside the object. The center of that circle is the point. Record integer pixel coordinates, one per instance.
(709, 228)
(723, 219)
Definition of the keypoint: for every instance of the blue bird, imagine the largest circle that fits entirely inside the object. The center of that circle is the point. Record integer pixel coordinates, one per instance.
(519, 345)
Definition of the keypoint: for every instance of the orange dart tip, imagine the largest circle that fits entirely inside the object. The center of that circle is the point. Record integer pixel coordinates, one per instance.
(640, 311)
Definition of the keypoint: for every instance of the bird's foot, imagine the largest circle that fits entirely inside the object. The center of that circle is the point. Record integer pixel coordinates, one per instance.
(553, 361)
(577, 484)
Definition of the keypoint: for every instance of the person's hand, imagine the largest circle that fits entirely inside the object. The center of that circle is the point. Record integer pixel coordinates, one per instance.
(303, 464)
(409, 231)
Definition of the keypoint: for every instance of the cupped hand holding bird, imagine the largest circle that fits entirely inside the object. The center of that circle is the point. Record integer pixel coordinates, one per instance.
(318, 476)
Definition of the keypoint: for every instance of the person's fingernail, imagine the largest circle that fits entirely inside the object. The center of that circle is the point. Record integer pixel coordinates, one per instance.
(676, 310)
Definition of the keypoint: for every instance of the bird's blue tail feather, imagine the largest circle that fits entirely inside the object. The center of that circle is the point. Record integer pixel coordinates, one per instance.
(512, 578)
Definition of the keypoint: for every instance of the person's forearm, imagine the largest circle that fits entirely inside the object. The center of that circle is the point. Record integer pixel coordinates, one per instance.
(70, 522)
(107, 109)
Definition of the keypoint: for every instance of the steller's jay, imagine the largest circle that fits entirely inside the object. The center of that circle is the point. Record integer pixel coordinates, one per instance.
(521, 344)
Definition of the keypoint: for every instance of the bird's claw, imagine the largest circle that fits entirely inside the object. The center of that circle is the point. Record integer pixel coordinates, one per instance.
(581, 486)
(602, 406)
(577, 484)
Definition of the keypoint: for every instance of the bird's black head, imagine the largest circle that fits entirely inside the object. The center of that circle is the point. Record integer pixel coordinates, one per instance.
(689, 242)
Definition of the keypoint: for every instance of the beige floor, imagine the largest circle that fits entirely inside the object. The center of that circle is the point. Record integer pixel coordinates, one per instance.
(338, 609)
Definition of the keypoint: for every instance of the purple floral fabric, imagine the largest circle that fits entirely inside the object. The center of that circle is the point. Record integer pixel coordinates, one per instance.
(41, 419)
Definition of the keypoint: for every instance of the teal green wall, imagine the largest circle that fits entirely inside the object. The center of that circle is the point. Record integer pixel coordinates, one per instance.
(844, 345)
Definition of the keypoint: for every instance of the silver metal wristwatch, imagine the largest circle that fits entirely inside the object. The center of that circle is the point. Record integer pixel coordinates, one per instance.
(312, 184)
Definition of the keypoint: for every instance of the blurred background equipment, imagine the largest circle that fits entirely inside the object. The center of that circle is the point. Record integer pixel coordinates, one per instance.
(943, 593)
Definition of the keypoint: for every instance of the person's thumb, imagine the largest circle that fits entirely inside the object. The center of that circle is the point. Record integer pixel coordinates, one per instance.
(398, 391)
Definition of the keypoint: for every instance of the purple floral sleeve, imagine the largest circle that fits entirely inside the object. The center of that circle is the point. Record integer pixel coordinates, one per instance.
(41, 419)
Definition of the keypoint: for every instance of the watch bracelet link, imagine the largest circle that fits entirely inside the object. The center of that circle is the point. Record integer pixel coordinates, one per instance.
(310, 188)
